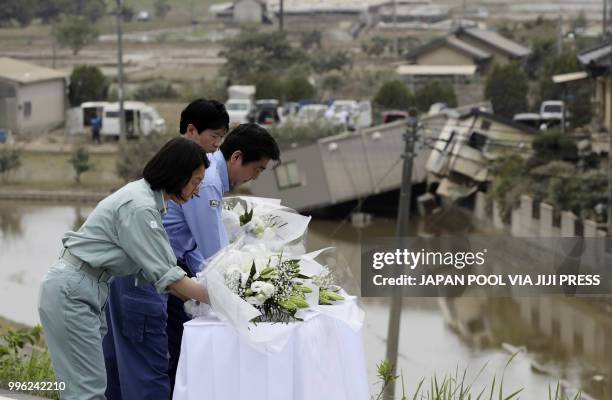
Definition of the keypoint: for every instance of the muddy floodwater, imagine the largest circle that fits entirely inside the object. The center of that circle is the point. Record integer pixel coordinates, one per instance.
(560, 339)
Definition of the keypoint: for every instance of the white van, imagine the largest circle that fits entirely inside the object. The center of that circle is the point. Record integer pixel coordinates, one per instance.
(140, 119)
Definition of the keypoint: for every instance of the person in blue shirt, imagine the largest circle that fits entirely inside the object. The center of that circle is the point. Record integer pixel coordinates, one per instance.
(96, 127)
(136, 353)
(195, 229)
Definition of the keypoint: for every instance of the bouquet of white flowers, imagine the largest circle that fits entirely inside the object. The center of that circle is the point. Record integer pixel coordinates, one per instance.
(262, 219)
(262, 278)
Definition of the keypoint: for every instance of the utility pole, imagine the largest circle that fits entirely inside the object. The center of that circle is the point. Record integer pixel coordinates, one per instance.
(54, 44)
(605, 18)
(281, 15)
(560, 36)
(122, 137)
(403, 217)
(394, 16)
(608, 89)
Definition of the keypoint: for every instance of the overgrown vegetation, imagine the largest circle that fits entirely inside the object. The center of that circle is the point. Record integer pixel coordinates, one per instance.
(550, 175)
(23, 359)
(10, 160)
(455, 386)
(80, 162)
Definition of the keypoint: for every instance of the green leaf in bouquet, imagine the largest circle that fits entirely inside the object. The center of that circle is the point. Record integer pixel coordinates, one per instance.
(302, 288)
(327, 297)
(287, 304)
(299, 301)
(246, 217)
(251, 275)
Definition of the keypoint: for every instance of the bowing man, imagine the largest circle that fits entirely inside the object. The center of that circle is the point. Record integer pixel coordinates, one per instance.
(136, 346)
(195, 229)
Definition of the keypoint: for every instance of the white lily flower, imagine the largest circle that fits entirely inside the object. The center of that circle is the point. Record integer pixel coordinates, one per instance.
(265, 288)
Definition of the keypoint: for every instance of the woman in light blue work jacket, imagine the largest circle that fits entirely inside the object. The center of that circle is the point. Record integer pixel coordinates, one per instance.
(123, 235)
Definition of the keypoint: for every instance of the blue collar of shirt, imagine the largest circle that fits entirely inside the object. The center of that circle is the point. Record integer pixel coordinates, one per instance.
(221, 166)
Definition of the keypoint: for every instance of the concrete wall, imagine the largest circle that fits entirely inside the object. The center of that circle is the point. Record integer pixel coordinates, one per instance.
(524, 222)
(48, 106)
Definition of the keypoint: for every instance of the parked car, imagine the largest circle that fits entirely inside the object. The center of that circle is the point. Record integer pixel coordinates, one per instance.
(553, 110)
(143, 16)
(532, 120)
(393, 115)
(265, 112)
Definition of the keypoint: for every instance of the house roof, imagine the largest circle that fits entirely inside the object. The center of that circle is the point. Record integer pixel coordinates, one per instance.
(475, 112)
(23, 72)
(496, 40)
(436, 70)
(597, 60)
(453, 42)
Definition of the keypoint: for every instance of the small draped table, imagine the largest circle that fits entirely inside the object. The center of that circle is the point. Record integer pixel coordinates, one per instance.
(322, 358)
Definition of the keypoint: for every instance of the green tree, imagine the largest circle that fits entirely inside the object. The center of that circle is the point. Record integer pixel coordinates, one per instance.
(297, 88)
(268, 86)
(375, 46)
(75, 33)
(394, 95)
(435, 92)
(507, 87)
(553, 146)
(51, 10)
(541, 50)
(87, 83)
(252, 53)
(578, 94)
(324, 61)
(10, 160)
(333, 81)
(80, 162)
(20, 11)
(311, 39)
(162, 8)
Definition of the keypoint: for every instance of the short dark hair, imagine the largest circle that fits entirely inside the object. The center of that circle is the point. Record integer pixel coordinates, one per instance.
(253, 141)
(204, 114)
(171, 167)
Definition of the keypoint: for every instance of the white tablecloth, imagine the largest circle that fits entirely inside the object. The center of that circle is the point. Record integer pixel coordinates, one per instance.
(323, 359)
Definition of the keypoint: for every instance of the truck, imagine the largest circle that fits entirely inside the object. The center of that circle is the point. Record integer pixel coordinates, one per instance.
(240, 102)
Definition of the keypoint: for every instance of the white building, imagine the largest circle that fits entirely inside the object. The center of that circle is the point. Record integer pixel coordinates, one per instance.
(32, 98)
